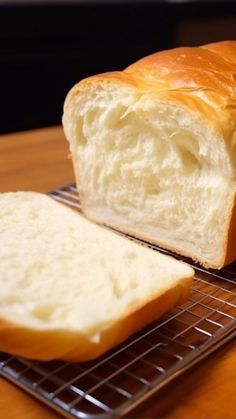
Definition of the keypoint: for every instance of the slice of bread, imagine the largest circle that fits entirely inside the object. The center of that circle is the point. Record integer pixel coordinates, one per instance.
(70, 289)
(154, 150)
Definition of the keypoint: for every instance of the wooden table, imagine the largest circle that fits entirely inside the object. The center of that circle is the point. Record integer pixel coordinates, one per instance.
(38, 160)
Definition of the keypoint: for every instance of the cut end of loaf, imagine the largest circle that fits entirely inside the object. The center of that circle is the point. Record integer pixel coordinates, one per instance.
(148, 165)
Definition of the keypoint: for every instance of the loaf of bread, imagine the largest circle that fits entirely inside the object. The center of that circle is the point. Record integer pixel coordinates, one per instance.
(70, 289)
(154, 150)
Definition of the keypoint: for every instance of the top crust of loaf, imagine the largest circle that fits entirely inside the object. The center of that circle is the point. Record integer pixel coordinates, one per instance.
(202, 78)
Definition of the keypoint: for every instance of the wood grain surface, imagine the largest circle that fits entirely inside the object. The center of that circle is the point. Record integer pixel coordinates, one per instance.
(35, 160)
(39, 160)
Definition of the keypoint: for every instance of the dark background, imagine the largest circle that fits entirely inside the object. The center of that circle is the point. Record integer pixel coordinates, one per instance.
(46, 48)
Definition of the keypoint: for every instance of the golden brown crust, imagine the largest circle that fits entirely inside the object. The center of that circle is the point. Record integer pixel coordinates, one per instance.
(191, 69)
(201, 78)
(230, 235)
(72, 346)
(209, 70)
(226, 50)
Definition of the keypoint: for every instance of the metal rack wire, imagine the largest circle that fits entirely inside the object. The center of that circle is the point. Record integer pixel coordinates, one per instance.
(115, 383)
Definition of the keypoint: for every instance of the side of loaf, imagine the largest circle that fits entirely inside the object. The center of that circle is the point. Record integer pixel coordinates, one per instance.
(154, 150)
(70, 289)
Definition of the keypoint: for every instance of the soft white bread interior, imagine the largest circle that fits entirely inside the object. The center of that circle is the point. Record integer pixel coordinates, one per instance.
(154, 150)
(71, 289)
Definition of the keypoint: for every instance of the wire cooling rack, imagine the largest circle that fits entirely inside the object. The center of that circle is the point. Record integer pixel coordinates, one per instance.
(114, 384)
